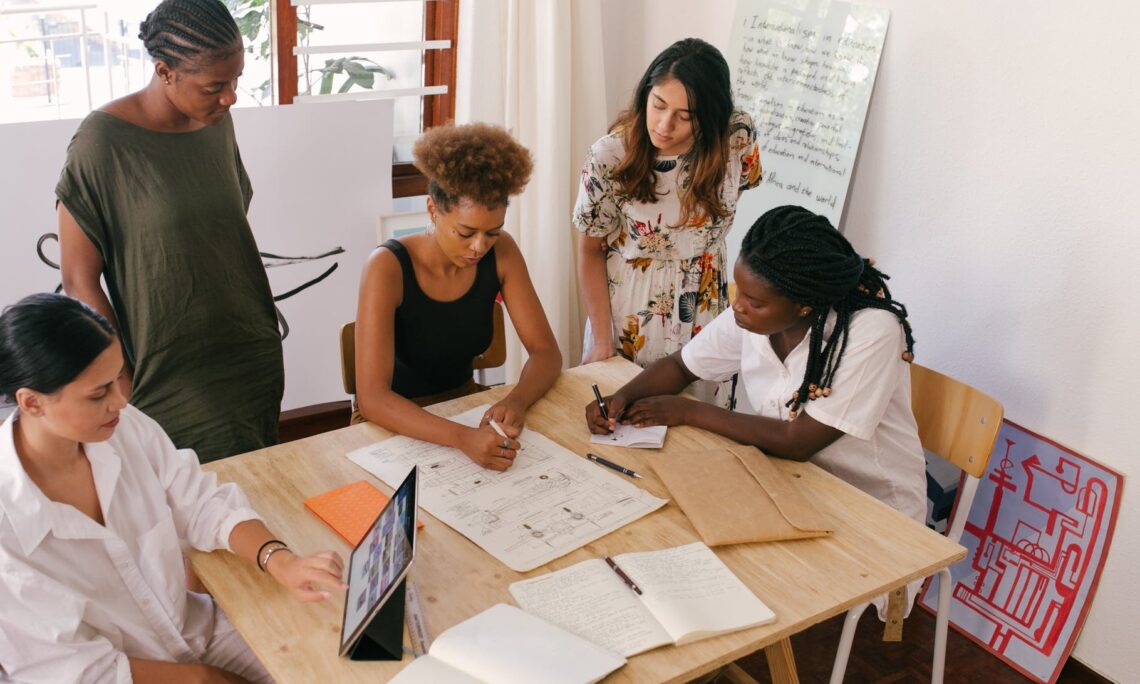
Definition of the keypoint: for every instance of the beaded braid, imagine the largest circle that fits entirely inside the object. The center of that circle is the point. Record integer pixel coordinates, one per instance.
(179, 31)
(810, 262)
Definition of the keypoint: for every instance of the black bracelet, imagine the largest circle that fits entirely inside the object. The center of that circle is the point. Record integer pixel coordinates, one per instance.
(257, 558)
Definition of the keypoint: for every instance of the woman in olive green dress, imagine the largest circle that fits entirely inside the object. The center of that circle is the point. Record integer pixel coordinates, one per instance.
(153, 200)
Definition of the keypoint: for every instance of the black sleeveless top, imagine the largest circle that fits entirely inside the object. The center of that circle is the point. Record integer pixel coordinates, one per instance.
(436, 341)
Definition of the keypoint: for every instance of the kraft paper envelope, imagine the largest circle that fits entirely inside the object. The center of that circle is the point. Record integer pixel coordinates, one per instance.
(734, 496)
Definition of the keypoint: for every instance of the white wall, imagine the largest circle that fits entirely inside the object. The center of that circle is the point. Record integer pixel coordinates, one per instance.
(321, 175)
(993, 184)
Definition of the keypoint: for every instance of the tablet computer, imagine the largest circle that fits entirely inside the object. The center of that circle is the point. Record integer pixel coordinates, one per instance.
(380, 562)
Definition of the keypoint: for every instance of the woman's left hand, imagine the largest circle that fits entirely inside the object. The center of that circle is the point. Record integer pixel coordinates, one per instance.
(660, 410)
(304, 576)
(508, 416)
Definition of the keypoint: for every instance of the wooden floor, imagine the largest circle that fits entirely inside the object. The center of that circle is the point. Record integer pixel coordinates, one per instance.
(874, 661)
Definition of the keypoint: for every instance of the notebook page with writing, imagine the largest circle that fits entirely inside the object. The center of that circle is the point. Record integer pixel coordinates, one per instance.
(504, 645)
(692, 593)
(590, 600)
(625, 435)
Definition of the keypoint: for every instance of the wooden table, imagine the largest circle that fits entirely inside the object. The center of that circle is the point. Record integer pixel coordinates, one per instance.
(874, 549)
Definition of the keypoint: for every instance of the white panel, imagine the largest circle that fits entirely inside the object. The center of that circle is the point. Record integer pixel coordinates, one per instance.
(321, 177)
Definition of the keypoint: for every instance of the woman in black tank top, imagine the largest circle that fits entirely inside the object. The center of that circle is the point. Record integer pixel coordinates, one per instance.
(427, 300)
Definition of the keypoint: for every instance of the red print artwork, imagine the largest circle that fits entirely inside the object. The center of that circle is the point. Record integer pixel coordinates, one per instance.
(1037, 536)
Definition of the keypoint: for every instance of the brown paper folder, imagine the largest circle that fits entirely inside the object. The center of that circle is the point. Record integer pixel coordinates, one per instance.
(733, 496)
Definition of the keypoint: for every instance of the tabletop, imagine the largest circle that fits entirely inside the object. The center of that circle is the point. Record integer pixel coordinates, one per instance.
(874, 548)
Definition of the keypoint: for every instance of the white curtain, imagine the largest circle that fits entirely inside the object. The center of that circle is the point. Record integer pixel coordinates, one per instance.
(536, 67)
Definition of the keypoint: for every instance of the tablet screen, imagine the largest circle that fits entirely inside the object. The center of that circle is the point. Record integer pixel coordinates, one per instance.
(380, 561)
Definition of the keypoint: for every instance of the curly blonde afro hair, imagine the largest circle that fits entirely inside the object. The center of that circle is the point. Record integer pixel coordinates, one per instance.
(477, 162)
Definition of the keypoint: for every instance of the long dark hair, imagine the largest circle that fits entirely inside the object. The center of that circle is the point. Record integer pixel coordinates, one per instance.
(810, 262)
(47, 340)
(194, 31)
(702, 70)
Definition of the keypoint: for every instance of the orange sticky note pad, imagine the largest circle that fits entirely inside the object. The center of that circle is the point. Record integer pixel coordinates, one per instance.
(350, 510)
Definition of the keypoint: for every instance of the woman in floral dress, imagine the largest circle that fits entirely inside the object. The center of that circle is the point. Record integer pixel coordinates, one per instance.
(658, 196)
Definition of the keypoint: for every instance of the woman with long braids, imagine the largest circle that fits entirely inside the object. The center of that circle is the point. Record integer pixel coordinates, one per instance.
(658, 196)
(822, 351)
(153, 200)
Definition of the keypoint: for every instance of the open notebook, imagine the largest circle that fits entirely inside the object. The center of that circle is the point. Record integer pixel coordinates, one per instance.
(504, 645)
(631, 436)
(687, 594)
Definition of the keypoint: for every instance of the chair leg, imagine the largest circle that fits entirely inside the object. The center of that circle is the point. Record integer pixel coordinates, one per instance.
(941, 623)
(845, 641)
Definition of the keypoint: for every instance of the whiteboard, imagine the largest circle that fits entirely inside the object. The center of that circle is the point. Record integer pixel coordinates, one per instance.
(804, 70)
(321, 179)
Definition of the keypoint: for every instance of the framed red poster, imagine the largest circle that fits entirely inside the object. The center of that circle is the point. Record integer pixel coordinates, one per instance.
(1037, 537)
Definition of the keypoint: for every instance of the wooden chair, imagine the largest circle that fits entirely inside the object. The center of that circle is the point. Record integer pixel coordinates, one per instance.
(961, 425)
(493, 357)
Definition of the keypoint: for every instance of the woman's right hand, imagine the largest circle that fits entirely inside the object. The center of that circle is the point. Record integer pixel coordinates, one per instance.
(599, 351)
(490, 449)
(615, 407)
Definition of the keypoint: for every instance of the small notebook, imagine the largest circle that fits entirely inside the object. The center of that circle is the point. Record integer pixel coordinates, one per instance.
(504, 645)
(350, 510)
(631, 436)
(687, 594)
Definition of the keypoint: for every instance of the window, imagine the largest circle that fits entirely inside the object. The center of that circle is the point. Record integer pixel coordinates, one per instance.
(61, 61)
(328, 50)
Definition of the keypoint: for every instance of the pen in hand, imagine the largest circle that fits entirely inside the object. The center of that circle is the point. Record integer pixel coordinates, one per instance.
(624, 577)
(601, 404)
(499, 429)
(610, 464)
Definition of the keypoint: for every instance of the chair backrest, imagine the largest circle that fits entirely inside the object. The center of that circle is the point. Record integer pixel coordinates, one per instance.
(348, 357)
(494, 356)
(955, 421)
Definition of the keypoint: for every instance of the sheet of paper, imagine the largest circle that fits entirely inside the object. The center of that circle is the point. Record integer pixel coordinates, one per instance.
(632, 436)
(504, 645)
(550, 502)
(431, 670)
(590, 600)
(691, 591)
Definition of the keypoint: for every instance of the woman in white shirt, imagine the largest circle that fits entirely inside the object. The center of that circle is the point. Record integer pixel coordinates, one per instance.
(94, 502)
(822, 353)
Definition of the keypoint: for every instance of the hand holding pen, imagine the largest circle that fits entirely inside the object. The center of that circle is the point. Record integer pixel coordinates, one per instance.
(603, 413)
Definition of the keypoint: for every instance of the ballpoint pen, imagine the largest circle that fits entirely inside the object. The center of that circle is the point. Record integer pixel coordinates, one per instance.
(417, 629)
(601, 404)
(624, 577)
(499, 429)
(610, 464)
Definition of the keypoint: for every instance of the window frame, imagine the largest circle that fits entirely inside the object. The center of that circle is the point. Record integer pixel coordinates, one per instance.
(441, 22)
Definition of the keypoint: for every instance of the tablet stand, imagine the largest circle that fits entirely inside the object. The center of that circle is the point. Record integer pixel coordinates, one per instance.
(383, 638)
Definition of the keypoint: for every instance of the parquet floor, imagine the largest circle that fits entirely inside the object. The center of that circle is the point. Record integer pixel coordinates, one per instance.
(874, 661)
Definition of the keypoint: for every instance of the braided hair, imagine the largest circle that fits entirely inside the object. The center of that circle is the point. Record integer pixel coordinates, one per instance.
(196, 31)
(810, 262)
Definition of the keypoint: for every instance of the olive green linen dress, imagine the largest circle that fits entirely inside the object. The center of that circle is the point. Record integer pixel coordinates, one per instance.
(167, 212)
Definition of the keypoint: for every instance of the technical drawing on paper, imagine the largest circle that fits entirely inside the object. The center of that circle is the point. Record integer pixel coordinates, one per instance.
(1037, 534)
(548, 503)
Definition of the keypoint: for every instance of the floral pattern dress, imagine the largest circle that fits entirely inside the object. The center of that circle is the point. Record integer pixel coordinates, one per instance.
(665, 282)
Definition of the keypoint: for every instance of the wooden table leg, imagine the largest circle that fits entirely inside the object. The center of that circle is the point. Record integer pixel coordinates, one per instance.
(782, 662)
(733, 674)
